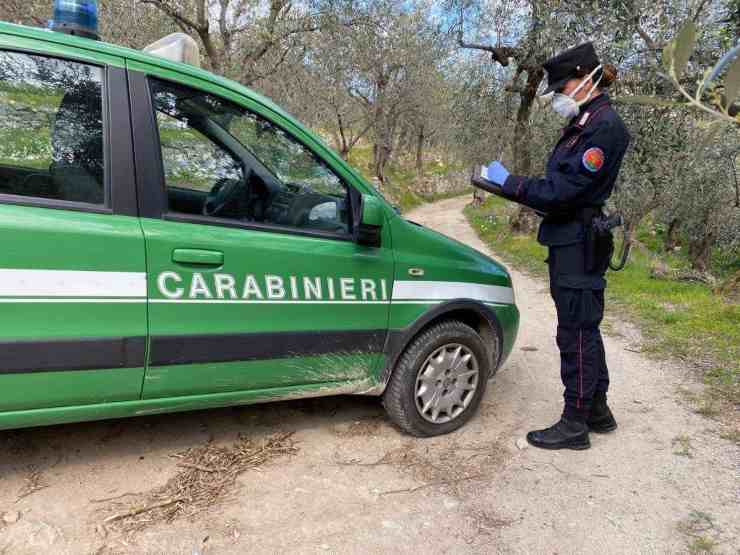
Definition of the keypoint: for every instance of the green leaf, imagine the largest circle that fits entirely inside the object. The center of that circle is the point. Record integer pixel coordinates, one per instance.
(703, 84)
(732, 81)
(684, 46)
(668, 57)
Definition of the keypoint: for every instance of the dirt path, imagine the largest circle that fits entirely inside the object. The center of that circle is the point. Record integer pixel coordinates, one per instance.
(661, 482)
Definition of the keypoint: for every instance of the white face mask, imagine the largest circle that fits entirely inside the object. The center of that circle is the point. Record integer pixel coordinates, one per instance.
(566, 105)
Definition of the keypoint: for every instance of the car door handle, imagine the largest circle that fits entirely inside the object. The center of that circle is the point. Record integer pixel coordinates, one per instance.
(198, 256)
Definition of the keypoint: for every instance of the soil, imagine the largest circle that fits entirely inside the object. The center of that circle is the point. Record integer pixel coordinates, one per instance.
(664, 482)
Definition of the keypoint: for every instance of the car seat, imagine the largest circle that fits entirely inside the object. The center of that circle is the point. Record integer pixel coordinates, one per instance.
(77, 169)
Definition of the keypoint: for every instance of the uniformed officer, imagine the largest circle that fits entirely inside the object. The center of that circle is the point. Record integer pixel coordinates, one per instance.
(579, 178)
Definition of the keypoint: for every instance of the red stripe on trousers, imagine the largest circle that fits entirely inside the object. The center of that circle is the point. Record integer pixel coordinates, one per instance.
(580, 368)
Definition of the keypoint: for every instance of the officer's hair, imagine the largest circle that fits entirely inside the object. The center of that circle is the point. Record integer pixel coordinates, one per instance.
(609, 75)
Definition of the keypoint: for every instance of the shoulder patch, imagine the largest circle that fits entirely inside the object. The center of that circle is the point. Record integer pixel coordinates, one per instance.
(593, 159)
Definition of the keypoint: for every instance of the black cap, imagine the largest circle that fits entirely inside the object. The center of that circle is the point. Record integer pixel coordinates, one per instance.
(564, 66)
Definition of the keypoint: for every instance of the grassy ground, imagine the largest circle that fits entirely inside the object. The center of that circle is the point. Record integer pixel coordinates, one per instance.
(681, 319)
(401, 178)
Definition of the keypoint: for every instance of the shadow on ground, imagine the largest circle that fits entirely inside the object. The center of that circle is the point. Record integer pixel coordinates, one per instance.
(95, 443)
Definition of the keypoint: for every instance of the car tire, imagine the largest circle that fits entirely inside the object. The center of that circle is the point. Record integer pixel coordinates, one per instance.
(428, 365)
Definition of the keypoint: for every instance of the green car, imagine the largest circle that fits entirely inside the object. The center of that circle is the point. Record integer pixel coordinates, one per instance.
(173, 241)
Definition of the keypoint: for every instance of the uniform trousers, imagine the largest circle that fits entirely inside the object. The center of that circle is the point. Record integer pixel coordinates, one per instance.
(579, 301)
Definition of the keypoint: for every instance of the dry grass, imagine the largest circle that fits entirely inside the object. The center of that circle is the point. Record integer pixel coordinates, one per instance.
(450, 467)
(701, 532)
(208, 475)
(682, 445)
(487, 523)
(731, 434)
(31, 485)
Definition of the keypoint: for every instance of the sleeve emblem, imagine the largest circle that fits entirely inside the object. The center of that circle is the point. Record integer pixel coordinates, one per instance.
(593, 159)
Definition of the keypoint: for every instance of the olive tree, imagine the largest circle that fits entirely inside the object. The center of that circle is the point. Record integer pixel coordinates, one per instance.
(386, 63)
(126, 22)
(246, 40)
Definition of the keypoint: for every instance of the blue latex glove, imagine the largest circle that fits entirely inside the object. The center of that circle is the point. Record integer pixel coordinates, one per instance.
(497, 173)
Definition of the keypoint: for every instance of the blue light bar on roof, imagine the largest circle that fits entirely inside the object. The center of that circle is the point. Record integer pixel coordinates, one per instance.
(76, 17)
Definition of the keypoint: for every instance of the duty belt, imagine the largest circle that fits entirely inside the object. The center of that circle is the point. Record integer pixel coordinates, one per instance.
(585, 215)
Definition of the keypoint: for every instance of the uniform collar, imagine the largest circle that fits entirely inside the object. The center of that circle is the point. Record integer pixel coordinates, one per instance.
(587, 110)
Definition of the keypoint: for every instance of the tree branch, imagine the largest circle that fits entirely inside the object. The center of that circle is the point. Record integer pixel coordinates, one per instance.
(258, 77)
(499, 54)
(473, 46)
(222, 24)
(361, 134)
(699, 9)
(635, 20)
(165, 8)
(354, 93)
(651, 44)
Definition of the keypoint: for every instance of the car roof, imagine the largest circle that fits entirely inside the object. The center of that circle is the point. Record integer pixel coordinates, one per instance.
(185, 70)
(139, 56)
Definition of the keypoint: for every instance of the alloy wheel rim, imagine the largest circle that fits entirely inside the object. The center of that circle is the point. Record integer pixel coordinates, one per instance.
(446, 383)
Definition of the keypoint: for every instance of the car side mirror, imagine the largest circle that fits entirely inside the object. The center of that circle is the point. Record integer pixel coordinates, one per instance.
(371, 222)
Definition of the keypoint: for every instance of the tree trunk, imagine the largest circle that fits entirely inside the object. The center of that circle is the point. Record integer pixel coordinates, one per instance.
(204, 32)
(382, 147)
(700, 252)
(382, 156)
(525, 220)
(420, 151)
(700, 245)
(344, 146)
(671, 236)
(382, 150)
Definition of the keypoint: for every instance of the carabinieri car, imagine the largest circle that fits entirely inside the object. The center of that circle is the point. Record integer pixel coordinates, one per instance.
(173, 241)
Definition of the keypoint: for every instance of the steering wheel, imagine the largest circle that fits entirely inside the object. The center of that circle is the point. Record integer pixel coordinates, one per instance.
(223, 192)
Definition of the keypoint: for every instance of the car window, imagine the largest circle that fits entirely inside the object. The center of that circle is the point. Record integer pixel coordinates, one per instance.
(223, 161)
(191, 160)
(51, 128)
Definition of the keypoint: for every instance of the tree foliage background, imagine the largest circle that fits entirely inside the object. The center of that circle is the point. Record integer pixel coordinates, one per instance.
(458, 79)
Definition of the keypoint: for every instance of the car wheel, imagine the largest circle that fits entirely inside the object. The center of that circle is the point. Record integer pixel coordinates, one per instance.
(439, 380)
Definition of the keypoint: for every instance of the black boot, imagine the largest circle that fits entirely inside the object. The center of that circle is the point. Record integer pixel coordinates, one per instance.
(565, 434)
(601, 420)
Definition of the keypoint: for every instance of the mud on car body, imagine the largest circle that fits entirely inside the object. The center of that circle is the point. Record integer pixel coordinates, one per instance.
(179, 243)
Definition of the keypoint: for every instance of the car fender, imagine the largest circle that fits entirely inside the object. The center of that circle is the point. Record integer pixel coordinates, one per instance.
(398, 339)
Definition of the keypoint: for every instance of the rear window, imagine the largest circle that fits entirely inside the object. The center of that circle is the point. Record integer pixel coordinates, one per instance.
(51, 129)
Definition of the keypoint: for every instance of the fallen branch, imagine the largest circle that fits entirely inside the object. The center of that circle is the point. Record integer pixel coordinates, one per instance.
(107, 499)
(431, 484)
(29, 492)
(199, 467)
(141, 510)
(205, 477)
(32, 485)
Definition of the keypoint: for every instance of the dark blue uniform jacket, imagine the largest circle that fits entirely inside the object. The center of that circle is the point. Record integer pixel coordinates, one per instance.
(580, 173)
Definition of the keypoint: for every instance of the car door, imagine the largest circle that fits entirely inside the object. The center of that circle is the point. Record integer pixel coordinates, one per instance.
(72, 266)
(253, 277)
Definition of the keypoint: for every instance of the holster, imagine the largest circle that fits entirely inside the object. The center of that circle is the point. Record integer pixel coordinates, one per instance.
(598, 244)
